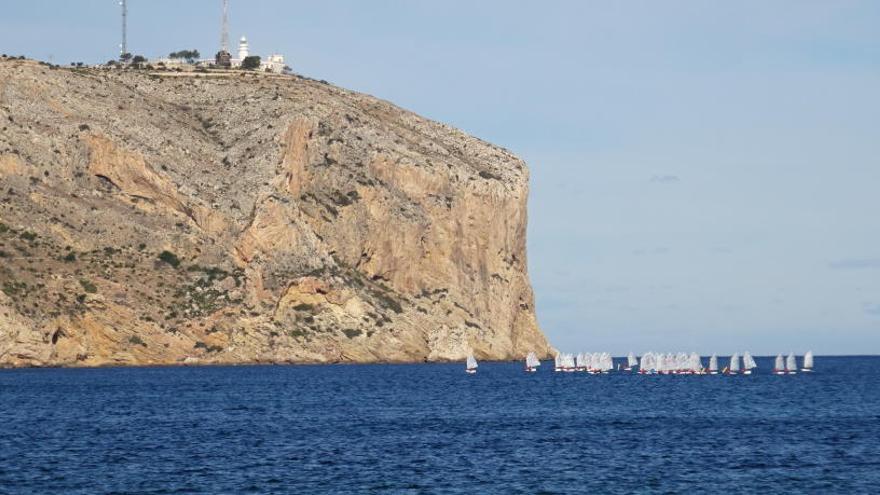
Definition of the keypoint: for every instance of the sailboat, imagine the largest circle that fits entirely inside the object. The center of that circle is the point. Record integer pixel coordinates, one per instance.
(557, 362)
(471, 366)
(779, 365)
(631, 362)
(582, 363)
(648, 363)
(695, 363)
(748, 363)
(808, 362)
(733, 369)
(569, 363)
(713, 365)
(791, 364)
(532, 363)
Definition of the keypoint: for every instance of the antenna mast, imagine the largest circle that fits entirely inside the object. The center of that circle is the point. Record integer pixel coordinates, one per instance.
(224, 29)
(123, 48)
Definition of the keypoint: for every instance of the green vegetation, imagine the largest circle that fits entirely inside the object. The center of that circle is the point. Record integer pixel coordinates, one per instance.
(28, 236)
(206, 347)
(135, 340)
(251, 63)
(70, 257)
(170, 258)
(352, 333)
(3, 228)
(13, 288)
(88, 286)
(304, 307)
(189, 55)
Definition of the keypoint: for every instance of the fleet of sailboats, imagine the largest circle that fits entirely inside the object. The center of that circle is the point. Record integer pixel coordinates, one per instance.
(652, 363)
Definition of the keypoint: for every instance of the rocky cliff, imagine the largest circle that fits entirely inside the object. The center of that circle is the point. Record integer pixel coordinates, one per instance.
(161, 218)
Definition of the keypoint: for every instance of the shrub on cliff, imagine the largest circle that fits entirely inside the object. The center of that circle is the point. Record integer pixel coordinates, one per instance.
(251, 63)
(170, 258)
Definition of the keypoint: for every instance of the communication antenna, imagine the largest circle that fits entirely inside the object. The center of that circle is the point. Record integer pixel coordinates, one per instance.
(123, 48)
(224, 28)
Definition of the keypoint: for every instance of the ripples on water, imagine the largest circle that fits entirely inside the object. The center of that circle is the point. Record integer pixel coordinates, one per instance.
(433, 429)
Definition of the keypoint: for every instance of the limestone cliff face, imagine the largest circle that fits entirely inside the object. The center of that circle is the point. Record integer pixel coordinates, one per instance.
(161, 218)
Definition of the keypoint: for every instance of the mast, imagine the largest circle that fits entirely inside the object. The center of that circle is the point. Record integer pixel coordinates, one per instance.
(224, 28)
(123, 47)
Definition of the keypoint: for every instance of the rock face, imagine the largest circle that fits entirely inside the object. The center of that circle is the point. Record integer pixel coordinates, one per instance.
(161, 218)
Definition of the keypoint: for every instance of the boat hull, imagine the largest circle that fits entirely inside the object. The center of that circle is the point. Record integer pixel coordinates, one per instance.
(471, 372)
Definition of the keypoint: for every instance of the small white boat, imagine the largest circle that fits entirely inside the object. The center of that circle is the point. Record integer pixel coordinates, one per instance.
(779, 365)
(648, 363)
(734, 367)
(748, 363)
(471, 366)
(557, 362)
(532, 362)
(713, 365)
(695, 364)
(808, 362)
(631, 362)
(580, 362)
(791, 364)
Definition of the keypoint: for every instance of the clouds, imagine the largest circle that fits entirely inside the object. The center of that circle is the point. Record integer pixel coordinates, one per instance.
(872, 309)
(855, 264)
(665, 179)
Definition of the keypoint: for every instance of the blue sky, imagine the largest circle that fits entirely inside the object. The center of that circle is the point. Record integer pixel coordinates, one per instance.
(705, 175)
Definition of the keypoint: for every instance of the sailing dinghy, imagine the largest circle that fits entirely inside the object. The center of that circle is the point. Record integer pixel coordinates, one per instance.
(779, 365)
(748, 363)
(471, 366)
(713, 365)
(733, 369)
(631, 362)
(808, 362)
(791, 364)
(532, 363)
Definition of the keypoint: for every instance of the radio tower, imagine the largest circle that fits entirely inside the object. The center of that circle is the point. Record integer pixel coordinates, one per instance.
(224, 29)
(123, 48)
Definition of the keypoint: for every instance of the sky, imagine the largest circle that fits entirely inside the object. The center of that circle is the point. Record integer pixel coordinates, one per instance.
(705, 175)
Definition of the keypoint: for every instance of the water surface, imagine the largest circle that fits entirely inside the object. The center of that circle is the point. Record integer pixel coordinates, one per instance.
(433, 429)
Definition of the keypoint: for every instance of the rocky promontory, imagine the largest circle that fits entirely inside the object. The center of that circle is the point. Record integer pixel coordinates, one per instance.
(162, 218)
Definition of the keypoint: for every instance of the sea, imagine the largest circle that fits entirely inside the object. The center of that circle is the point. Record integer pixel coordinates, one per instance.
(431, 428)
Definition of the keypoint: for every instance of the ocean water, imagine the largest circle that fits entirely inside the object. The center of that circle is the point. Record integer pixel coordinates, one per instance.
(431, 428)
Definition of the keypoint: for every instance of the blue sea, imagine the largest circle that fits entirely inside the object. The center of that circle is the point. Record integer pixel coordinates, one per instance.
(430, 428)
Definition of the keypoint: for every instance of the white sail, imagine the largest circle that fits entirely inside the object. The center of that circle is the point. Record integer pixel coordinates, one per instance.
(631, 360)
(471, 362)
(779, 364)
(648, 362)
(695, 363)
(734, 363)
(713, 363)
(748, 361)
(532, 360)
(808, 360)
(791, 362)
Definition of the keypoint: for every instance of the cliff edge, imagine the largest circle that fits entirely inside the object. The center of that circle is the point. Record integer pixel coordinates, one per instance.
(162, 218)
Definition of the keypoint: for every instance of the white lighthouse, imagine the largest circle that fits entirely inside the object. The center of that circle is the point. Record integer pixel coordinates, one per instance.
(243, 49)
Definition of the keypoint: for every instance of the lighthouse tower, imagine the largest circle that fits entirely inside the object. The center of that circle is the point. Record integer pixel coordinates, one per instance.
(243, 49)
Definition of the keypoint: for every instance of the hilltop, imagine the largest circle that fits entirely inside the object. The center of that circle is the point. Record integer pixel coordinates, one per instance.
(163, 218)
